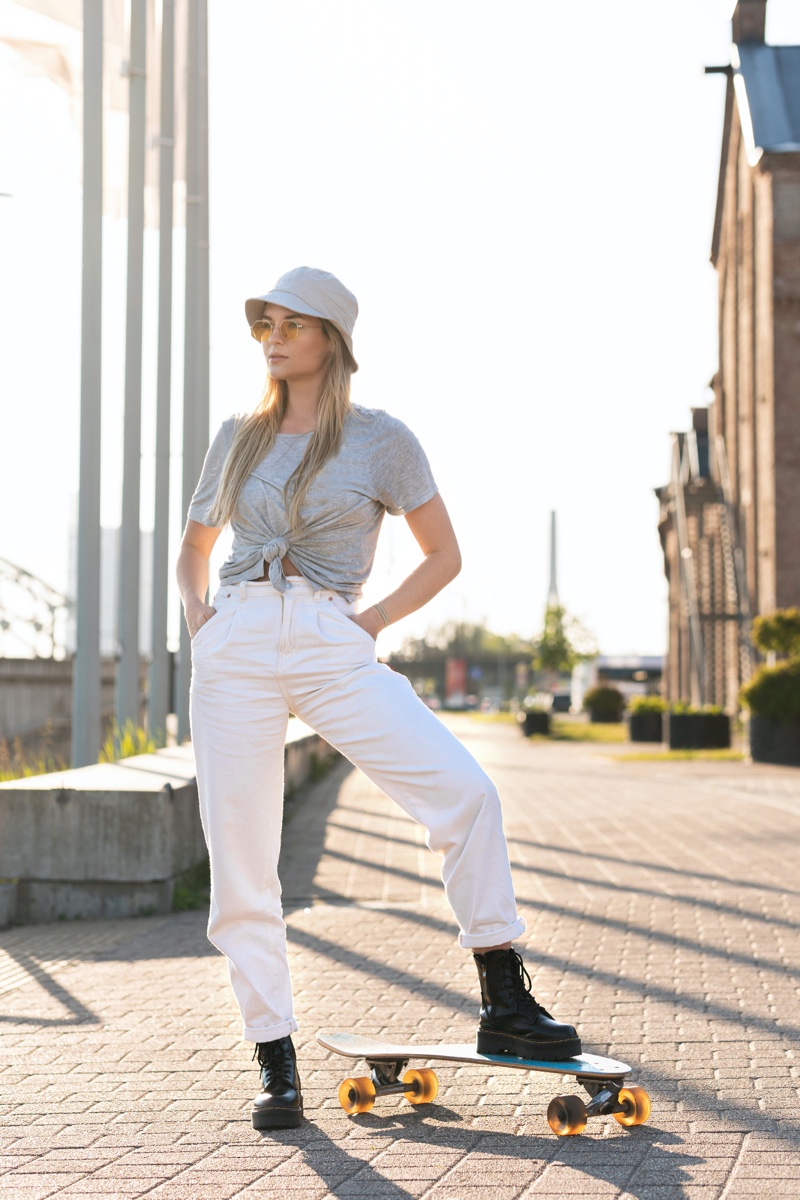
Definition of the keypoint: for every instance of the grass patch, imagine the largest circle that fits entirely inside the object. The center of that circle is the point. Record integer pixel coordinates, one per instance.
(18, 763)
(128, 741)
(585, 731)
(192, 888)
(681, 756)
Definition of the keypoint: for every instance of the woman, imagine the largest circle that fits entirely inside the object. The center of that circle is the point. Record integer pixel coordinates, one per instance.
(304, 481)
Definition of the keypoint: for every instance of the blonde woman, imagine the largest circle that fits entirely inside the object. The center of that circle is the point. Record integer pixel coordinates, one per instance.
(304, 481)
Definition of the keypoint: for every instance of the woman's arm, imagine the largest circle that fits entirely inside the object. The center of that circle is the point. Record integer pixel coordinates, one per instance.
(192, 572)
(430, 525)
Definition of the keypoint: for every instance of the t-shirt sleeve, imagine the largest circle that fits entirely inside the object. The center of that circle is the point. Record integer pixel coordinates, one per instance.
(206, 490)
(401, 473)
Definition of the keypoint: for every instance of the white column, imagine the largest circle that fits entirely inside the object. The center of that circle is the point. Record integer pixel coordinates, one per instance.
(128, 699)
(86, 677)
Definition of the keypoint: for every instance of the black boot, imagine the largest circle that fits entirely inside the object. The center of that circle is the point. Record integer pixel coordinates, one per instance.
(511, 1020)
(279, 1104)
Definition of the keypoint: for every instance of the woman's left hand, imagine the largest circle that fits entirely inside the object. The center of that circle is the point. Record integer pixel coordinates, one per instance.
(370, 620)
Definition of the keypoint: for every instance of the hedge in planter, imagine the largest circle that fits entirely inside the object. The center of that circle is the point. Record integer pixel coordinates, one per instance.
(534, 720)
(604, 704)
(647, 719)
(698, 729)
(773, 697)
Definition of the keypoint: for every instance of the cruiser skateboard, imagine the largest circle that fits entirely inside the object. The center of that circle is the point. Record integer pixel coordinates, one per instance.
(602, 1078)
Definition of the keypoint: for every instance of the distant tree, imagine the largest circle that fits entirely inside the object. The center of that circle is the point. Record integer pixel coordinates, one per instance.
(563, 642)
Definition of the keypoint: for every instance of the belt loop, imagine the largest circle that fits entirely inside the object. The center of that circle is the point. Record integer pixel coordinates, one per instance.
(242, 591)
(317, 596)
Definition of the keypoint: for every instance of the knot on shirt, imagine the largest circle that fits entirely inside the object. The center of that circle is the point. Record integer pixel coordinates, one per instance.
(273, 552)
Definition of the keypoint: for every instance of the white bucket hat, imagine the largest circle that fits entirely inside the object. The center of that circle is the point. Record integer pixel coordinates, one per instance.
(315, 293)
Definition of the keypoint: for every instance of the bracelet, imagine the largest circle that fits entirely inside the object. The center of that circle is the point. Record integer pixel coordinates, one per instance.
(383, 613)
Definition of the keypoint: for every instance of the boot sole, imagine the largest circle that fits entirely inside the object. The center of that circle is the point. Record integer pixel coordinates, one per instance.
(277, 1118)
(519, 1047)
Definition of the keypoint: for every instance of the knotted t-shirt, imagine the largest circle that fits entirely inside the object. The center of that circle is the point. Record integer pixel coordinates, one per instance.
(380, 467)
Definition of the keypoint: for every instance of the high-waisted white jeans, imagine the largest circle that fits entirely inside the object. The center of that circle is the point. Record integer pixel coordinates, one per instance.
(266, 654)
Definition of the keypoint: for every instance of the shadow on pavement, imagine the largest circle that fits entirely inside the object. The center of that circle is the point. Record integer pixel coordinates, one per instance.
(636, 1163)
(661, 868)
(79, 1013)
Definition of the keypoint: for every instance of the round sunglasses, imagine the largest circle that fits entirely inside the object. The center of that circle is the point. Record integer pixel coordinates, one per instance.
(262, 330)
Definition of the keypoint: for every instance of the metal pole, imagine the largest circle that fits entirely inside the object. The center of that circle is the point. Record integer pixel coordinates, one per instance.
(202, 410)
(552, 591)
(86, 678)
(128, 699)
(160, 666)
(190, 334)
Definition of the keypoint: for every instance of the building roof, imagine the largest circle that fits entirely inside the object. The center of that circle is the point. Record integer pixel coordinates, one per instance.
(767, 83)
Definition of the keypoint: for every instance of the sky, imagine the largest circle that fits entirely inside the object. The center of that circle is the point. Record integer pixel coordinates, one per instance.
(522, 201)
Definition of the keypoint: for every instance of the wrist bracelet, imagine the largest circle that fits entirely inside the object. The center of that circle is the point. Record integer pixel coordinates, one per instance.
(383, 613)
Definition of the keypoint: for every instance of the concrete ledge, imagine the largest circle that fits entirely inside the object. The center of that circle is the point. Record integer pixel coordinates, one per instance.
(8, 903)
(109, 840)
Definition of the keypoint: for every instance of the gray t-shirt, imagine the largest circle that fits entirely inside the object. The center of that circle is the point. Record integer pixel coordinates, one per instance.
(380, 468)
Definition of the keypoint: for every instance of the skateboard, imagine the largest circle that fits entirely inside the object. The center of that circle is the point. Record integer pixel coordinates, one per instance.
(603, 1079)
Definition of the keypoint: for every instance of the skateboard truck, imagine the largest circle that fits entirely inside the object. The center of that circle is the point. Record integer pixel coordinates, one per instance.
(604, 1095)
(568, 1115)
(386, 1077)
(418, 1086)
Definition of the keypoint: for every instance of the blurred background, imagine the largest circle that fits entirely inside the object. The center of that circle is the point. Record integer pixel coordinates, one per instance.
(523, 202)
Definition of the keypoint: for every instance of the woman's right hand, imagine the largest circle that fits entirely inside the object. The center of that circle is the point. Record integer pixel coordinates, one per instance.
(197, 613)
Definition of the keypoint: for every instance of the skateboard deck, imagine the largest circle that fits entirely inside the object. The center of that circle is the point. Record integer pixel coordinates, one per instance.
(603, 1079)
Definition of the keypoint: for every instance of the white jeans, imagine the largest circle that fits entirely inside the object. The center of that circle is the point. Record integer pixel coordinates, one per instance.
(263, 656)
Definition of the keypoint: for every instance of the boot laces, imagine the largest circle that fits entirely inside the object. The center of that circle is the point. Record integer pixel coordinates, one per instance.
(276, 1057)
(522, 983)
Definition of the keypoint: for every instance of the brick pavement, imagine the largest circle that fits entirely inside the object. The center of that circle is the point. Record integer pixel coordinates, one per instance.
(663, 903)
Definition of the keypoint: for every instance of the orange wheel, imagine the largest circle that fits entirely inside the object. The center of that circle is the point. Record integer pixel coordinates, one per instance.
(357, 1095)
(566, 1115)
(636, 1106)
(427, 1086)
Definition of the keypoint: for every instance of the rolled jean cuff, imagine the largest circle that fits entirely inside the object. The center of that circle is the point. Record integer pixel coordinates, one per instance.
(270, 1033)
(474, 941)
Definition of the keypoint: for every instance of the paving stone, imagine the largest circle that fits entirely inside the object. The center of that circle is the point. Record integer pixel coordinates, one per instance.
(662, 908)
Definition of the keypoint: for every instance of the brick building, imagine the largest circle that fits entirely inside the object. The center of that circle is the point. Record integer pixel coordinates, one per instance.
(730, 514)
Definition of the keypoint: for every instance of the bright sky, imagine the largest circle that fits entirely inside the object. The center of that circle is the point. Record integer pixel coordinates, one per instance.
(523, 205)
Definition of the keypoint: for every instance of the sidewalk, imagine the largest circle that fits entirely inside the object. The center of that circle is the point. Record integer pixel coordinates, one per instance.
(663, 904)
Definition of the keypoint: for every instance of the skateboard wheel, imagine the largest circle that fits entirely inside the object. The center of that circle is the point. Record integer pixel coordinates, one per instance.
(567, 1115)
(427, 1086)
(357, 1095)
(636, 1106)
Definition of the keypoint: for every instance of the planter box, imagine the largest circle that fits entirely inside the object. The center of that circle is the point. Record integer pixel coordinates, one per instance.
(646, 726)
(698, 731)
(604, 718)
(534, 722)
(774, 741)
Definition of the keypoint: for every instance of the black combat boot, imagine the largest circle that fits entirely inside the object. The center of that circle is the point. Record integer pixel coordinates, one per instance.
(279, 1104)
(511, 1020)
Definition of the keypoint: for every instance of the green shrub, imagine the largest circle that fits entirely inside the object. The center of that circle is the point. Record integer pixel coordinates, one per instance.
(780, 631)
(605, 702)
(682, 708)
(647, 704)
(774, 691)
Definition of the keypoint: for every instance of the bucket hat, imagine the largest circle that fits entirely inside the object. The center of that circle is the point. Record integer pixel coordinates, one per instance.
(315, 293)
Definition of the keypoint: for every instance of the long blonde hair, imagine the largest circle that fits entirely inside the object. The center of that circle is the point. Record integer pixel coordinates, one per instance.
(256, 435)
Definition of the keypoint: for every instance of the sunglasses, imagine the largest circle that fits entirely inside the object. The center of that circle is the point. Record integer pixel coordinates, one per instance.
(262, 330)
